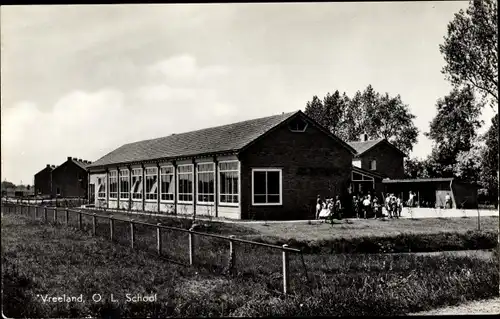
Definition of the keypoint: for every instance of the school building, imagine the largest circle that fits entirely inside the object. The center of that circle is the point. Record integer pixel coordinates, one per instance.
(265, 168)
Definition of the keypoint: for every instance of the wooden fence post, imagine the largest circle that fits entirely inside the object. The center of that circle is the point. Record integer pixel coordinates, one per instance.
(158, 238)
(478, 220)
(111, 227)
(45, 219)
(285, 269)
(232, 254)
(132, 235)
(191, 246)
(55, 215)
(94, 222)
(80, 222)
(36, 212)
(67, 216)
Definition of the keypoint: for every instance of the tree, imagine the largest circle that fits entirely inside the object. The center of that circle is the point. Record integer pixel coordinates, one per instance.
(470, 49)
(415, 168)
(380, 116)
(453, 129)
(489, 162)
(468, 166)
(7, 184)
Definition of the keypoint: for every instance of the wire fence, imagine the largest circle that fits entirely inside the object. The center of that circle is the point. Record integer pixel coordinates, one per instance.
(283, 267)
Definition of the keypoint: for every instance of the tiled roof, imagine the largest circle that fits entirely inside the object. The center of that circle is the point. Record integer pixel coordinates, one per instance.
(225, 138)
(82, 164)
(362, 147)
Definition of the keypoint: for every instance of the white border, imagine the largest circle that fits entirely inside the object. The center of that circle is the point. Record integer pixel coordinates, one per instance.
(280, 181)
(161, 184)
(194, 185)
(219, 183)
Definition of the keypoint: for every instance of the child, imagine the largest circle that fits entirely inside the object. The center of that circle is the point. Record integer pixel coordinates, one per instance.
(355, 206)
(319, 206)
(366, 206)
(375, 207)
(338, 207)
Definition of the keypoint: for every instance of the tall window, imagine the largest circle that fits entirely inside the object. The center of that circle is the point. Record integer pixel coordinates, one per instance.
(101, 187)
(124, 184)
(136, 183)
(185, 182)
(228, 182)
(167, 183)
(113, 184)
(151, 183)
(373, 165)
(266, 186)
(206, 182)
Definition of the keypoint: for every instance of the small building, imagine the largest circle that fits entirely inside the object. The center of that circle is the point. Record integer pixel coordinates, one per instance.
(43, 181)
(374, 161)
(431, 192)
(20, 191)
(266, 168)
(70, 179)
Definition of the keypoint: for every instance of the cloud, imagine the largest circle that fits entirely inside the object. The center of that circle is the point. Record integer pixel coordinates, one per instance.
(89, 124)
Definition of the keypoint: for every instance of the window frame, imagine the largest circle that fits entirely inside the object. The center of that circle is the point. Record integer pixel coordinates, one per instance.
(280, 171)
(161, 184)
(103, 193)
(193, 182)
(132, 175)
(297, 130)
(146, 175)
(373, 164)
(127, 177)
(115, 177)
(219, 182)
(198, 193)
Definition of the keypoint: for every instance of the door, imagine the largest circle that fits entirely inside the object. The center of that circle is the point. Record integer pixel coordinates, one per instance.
(92, 194)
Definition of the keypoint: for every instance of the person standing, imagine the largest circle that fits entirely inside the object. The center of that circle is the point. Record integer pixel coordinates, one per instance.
(447, 200)
(319, 206)
(366, 206)
(338, 207)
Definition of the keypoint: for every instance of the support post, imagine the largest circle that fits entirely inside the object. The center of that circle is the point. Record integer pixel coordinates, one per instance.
(285, 269)
(158, 190)
(36, 212)
(132, 235)
(143, 187)
(478, 220)
(158, 238)
(45, 214)
(55, 215)
(80, 221)
(232, 254)
(94, 222)
(111, 227)
(216, 187)
(67, 216)
(191, 246)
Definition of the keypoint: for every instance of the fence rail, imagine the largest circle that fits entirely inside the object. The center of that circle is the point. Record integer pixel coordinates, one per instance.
(109, 231)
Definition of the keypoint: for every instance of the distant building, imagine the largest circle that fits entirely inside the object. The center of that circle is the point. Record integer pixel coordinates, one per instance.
(18, 191)
(374, 161)
(43, 181)
(70, 178)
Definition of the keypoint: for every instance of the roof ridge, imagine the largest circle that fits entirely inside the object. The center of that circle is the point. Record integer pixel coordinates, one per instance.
(212, 127)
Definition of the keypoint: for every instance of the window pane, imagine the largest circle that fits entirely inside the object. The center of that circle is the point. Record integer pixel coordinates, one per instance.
(260, 199)
(273, 182)
(259, 182)
(273, 198)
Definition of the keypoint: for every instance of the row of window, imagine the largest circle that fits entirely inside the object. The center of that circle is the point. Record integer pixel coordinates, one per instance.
(119, 184)
(266, 184)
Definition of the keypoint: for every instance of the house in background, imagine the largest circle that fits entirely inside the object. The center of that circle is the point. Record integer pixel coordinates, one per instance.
(374, 161)
(70, 178)
(18, 191)
(43, 181)
(266, 168)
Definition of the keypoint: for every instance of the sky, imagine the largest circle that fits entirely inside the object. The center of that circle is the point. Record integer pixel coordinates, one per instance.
(81, 81)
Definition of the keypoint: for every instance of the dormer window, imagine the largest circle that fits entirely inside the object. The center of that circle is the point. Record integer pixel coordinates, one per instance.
(297, 125)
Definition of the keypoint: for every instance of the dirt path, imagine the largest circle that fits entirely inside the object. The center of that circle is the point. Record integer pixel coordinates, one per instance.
(489, 307)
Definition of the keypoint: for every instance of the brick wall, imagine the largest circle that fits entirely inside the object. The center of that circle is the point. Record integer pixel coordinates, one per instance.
(66, 178)
(302, 157)
(389, 161)
(43, 181)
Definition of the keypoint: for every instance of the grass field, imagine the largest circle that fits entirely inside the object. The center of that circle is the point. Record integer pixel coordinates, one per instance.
(44, 259)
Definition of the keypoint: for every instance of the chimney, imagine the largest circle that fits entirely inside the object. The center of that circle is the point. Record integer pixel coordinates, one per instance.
(75, 159)
(79, 159)
(363, 137)
(48, 165)
(69, 158)
(53, 166)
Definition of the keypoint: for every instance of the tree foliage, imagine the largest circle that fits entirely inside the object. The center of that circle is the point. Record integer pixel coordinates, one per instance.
(7, 184)
(380, 116)
(470, 48)
(489, 158)
(453, 129)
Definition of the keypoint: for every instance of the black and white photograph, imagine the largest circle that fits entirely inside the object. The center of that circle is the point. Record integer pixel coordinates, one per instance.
(281, 159)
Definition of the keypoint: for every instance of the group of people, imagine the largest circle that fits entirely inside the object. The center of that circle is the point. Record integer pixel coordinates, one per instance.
(363, 206)
(328, 208)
